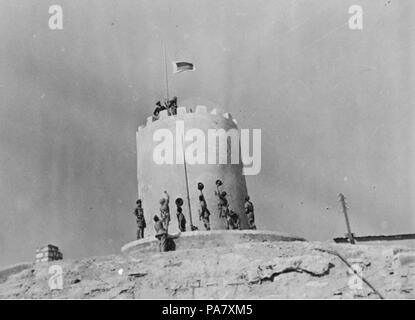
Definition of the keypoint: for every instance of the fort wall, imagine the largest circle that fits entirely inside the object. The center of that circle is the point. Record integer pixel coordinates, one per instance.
(154, 178)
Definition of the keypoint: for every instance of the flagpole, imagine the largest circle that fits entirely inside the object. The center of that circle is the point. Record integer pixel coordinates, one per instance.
(165, 72)
(187, 186)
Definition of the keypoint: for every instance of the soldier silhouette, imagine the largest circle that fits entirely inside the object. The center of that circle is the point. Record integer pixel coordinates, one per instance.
(141, 221)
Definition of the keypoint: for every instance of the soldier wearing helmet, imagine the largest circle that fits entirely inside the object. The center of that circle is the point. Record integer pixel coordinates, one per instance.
(233, 220)
(249, 211)
(173, 106)
(181, 220)
(141, 221)
(204, 212)
(161, 233)
(223, 205)
(165, 211)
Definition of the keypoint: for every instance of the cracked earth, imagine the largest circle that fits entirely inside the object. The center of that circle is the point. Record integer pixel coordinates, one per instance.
(259, 270)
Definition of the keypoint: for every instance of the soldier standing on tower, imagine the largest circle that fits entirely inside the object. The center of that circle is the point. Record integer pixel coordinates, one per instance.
(160, 106)
(141, 221)
(165, 211)
(249, 211)
(173, 105)
(223, 205)
(161, 233)
(157, 110)
(181, 220)
(233, 220)
(204, 212)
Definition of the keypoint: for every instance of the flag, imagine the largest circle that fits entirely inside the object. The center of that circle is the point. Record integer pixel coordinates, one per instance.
(180, 66)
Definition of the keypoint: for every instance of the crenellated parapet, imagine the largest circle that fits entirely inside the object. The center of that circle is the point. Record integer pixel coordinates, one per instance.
(188, 113)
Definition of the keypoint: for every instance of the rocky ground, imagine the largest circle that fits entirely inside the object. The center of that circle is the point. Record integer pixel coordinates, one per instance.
(259, 270)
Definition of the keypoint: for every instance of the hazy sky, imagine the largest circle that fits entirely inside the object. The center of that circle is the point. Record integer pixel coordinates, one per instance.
(336, 109)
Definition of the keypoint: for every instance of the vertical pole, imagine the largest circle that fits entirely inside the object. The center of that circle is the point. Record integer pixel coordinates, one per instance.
(344, 207)
(165, 72)
(187, 186)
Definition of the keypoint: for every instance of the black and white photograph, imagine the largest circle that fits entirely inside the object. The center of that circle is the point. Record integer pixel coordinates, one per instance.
(207, 150)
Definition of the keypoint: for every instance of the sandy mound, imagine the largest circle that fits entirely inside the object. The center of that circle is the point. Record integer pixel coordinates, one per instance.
(248, 270)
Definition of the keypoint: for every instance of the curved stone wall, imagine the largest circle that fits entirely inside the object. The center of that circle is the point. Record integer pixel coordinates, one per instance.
(209, 239)
(154, 178)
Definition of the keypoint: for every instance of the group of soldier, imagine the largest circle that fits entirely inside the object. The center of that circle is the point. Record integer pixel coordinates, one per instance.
(169, 105)
(161, 223)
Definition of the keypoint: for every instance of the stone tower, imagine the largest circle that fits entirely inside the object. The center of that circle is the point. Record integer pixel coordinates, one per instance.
(154, 178)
